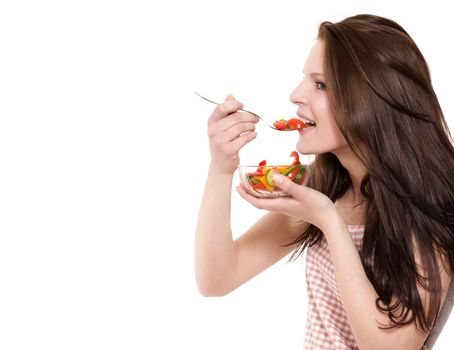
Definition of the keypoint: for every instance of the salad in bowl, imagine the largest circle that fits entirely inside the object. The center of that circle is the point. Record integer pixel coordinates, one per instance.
(258, 179)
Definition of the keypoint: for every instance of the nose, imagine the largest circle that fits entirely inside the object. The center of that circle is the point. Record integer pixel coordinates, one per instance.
(299, 95)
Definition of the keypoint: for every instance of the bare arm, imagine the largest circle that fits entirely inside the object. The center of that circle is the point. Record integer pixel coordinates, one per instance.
(214, 248)
(222, 264)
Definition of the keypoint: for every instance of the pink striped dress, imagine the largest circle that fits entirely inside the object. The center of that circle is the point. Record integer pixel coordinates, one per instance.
(327, 326)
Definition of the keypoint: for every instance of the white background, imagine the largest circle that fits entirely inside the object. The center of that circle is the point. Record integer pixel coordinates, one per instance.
(103, 155)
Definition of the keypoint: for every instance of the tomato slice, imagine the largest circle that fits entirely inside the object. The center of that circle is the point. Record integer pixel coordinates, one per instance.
(296, 124)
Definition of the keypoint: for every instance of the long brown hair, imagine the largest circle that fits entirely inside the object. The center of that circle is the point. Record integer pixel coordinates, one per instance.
(380, 91)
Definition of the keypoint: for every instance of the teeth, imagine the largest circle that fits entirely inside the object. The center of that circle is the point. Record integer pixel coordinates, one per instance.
(307, 121)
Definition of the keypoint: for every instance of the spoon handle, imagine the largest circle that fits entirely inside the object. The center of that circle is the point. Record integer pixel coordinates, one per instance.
(244, 110)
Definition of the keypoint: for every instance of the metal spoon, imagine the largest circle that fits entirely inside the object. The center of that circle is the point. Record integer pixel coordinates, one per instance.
(263, 120)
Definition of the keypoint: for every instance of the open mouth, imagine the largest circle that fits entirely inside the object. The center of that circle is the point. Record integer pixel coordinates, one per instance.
(309, 125)
(308, 122)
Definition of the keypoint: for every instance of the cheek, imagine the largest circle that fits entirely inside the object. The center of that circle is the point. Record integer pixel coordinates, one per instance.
(327, 136)
(335, 134)
(329, 122)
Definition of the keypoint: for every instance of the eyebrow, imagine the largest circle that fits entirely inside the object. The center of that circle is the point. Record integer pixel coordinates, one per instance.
(315, 74)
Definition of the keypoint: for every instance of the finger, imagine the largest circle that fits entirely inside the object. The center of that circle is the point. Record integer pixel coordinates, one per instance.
(236, 118)
(237, 130)
(242, 140)
(284, 183)
(222, 110)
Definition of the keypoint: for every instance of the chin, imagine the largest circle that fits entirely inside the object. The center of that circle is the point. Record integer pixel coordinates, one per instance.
(320, 147)
(304, 148)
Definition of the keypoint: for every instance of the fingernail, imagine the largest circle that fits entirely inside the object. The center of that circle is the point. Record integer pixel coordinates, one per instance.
(278, 178)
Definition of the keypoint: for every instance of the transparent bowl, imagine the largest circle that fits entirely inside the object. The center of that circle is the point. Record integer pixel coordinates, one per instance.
(259, 180)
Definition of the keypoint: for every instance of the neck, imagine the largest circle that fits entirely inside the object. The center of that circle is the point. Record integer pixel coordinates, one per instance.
(356, 171)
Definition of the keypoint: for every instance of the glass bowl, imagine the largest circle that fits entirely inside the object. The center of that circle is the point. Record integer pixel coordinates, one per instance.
(258, 180)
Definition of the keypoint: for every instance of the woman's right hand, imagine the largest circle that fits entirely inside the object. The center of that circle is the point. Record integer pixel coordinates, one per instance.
(228, 131)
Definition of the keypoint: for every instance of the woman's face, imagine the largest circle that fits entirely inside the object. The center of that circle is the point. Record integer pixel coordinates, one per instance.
(312, 100)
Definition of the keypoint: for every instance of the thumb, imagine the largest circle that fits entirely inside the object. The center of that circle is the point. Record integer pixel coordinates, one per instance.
(287, 185)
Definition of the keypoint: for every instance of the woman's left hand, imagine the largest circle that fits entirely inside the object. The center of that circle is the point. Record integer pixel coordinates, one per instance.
(305, 203)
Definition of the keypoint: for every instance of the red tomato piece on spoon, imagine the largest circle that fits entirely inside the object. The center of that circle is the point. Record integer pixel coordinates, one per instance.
(296, 124)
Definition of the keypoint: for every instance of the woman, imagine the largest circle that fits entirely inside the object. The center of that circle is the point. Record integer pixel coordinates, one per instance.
(377, 216)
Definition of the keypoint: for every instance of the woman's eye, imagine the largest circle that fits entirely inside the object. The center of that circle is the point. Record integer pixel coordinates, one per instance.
(320, 85)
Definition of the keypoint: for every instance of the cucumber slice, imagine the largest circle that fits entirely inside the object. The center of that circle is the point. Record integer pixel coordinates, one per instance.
(269, 176)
